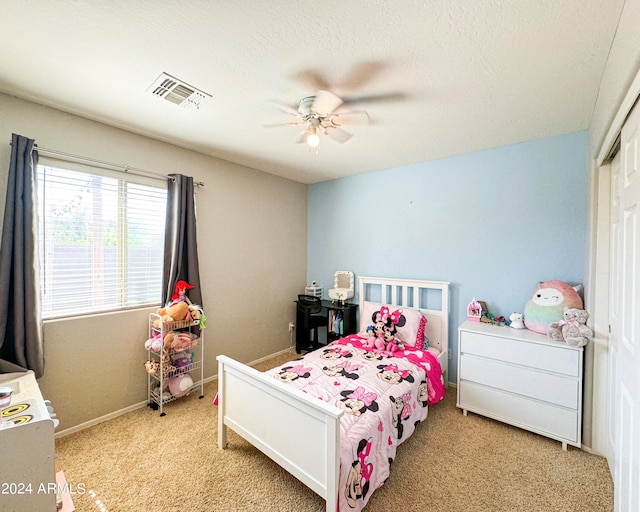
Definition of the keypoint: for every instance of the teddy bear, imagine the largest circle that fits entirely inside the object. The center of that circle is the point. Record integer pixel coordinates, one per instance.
(174, 312)
(573, 329)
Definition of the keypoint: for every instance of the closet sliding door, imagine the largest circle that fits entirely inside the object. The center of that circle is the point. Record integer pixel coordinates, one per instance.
(624, 321)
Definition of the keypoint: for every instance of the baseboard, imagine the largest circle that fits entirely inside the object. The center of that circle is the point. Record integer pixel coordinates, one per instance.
(96, 421)
(140, 405)
(270, 356)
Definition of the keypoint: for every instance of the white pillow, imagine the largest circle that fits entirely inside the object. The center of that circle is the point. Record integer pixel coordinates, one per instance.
(411, 333)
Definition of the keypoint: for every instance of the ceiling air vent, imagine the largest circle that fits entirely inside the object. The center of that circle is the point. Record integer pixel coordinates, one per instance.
(177, 92)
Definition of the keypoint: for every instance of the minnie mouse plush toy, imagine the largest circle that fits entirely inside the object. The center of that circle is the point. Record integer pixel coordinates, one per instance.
(382, 332)
(376, 332)
(393, 344)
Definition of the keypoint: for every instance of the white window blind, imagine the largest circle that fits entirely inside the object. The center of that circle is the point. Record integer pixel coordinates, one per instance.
(101, 241)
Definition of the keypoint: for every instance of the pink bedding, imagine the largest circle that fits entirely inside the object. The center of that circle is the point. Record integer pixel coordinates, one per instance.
(384, 398)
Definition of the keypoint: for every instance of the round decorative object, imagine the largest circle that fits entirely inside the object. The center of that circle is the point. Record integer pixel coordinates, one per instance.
(12, 410)
(20, 420)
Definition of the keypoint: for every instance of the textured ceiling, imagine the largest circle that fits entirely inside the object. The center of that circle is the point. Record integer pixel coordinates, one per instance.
(438, 78)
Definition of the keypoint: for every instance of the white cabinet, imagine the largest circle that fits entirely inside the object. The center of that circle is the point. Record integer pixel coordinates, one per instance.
(522, 378)
(27, 448)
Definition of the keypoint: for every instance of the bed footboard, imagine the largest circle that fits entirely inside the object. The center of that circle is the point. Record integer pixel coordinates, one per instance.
(299, 433)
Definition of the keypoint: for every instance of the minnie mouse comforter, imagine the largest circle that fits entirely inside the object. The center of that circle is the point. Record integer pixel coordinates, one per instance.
(384, 398)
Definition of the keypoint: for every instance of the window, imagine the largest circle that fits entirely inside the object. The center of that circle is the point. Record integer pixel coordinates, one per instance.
(101, 240)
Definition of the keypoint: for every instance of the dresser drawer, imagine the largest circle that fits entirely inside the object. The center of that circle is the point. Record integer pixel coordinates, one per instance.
(528, 382)
(534, 355)
(539, 417)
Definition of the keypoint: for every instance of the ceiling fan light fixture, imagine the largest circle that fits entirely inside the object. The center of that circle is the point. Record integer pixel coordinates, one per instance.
(312, 138)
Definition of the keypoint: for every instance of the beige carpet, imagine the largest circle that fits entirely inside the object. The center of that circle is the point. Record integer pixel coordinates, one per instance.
(141, 462)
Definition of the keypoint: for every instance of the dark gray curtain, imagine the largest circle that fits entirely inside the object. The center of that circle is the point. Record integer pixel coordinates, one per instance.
(180, 245)
(21, 346)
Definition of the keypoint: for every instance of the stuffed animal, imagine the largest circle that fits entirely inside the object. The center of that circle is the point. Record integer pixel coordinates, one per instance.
(375, 340)
(154, 343)
(180, 384)
(516, 320)
(547, 304)
(573, 329)
(153, 368)
(375, 332)
(172, 313)
(180, 291)
(180, 295)
(173, 341)
(180, 308)
(182, 359)
(382, 334)
(393, 345)
(183, 341)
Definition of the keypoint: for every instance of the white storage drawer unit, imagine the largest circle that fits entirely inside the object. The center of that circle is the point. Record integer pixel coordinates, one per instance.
(522, 378)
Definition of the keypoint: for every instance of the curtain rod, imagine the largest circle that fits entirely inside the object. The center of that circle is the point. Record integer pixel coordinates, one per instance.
(108, 165)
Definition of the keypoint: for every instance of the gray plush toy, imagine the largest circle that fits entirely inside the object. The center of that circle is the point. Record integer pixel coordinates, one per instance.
(572, 329)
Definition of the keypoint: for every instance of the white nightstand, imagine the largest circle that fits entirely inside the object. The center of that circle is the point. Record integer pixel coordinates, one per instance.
(522, 378)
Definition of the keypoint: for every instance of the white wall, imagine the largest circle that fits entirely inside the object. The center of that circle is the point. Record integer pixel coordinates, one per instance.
(252, 249)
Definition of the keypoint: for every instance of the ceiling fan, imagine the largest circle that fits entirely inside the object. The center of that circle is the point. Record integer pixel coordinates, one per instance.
(319, 114)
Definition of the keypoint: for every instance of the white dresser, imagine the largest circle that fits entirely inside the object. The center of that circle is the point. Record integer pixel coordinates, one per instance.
(522, 378)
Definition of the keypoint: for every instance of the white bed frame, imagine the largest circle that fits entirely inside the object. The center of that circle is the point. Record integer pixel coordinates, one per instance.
(300, 433)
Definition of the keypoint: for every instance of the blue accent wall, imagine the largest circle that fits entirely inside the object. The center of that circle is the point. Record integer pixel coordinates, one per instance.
(493, 223)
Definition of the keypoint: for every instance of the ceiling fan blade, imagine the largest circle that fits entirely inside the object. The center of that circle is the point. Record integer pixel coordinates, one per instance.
(326, 102)
(277, 125)
(361, 74)
(311, 80)
(375, 98)
(288, 109)
(349, 117)
(337, 134)
(302, 138)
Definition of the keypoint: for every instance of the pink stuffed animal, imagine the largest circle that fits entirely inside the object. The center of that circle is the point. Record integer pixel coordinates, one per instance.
(393, 345)
(382, 332)
(376, 334)
(376, 343)
(183, 341)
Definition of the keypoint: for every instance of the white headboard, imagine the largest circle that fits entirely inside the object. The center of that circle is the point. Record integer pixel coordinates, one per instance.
(431, 298)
